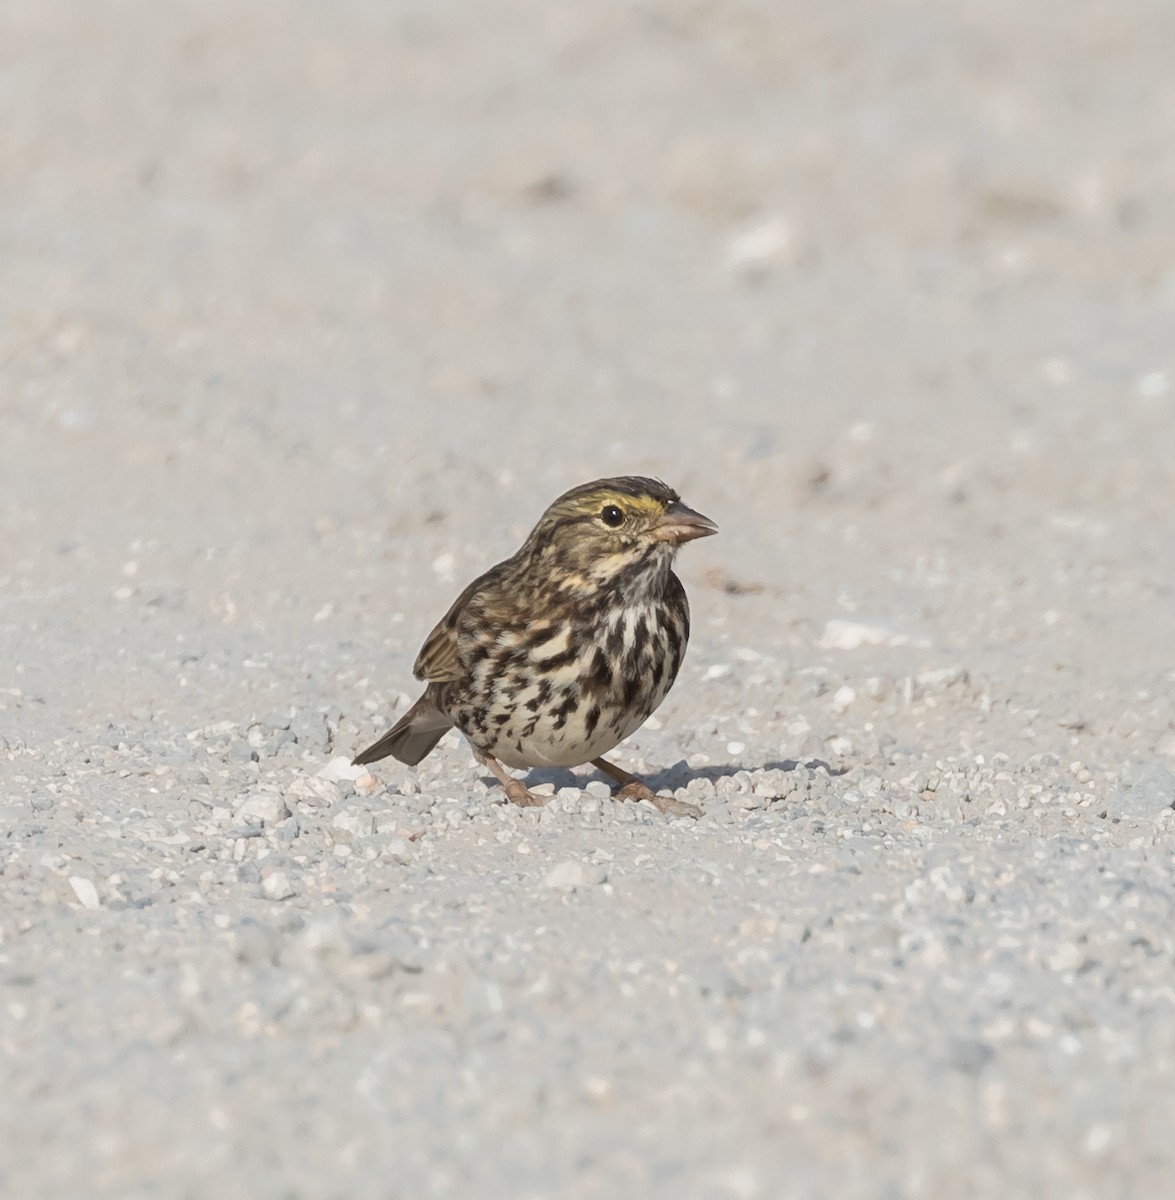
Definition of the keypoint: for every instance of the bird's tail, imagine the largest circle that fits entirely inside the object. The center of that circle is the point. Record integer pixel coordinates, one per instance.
(412, 737)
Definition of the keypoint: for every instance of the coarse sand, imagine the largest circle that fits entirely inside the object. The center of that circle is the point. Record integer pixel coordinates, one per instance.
(306, 313)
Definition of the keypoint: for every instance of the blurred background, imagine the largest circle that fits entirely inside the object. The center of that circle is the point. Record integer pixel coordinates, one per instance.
(308, 310)
(888, 287)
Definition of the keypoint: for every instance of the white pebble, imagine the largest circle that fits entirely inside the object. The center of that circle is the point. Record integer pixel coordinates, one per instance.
(716, 671)
(735, 747)
(760, 246)
(843, 698)
(851, 635)
(1068, 956)
(267, 806)
(276, 886)
(569, 875)
(1153, 384)
(353, 822)
(1098, 1139)
(341, 768)
(316, 792)
(85, 891)
(943, 677)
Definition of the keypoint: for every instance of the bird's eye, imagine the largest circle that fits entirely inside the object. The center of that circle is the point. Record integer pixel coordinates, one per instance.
(612, 516)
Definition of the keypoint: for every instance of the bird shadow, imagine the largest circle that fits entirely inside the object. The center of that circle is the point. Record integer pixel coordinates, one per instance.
(671, 778)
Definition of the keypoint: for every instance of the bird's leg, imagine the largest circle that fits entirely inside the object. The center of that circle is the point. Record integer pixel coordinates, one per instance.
(631, 788)
(516, 791)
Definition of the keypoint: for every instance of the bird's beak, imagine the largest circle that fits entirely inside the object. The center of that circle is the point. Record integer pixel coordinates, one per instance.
(681, 524)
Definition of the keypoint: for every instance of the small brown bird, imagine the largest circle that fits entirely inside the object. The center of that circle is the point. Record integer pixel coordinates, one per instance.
(556, 655)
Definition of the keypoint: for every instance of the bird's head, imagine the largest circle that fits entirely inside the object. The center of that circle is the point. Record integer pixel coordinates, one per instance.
(612, 530)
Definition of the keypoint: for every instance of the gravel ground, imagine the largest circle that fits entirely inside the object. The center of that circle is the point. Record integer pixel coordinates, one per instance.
(307, 312)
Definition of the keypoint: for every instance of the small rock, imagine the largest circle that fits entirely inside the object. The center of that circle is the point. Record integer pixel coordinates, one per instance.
(1153, 384)
(1068, 956)
(851, 635)
(287, 831)
(764, 244)
(85, 891)
(776, 788)
(569, 799)
(267, 807)
(276, 886)
(1147, 790)
(366, 784)
(256, 943)
(353, 823)
(309, 730)
(276, 743)
(400, 946)
(570, 875)
(316, 792)
(341, 768)
(970, 1055)
(484, 996)
(944, 677)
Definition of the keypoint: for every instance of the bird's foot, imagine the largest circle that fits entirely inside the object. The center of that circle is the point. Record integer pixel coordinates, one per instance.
(631, 788)
(516, 791)
(663, 804)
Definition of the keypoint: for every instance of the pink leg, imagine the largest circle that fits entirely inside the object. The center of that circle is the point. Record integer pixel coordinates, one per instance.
(516, 791)
(631, 788)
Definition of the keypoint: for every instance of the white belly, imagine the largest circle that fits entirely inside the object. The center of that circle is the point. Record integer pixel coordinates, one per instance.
(566, 747)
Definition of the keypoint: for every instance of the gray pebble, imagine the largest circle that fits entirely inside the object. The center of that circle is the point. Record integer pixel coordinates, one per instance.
(352, 823)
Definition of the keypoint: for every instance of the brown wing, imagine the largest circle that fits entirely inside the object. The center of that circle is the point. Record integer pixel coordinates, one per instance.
(439, 660)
